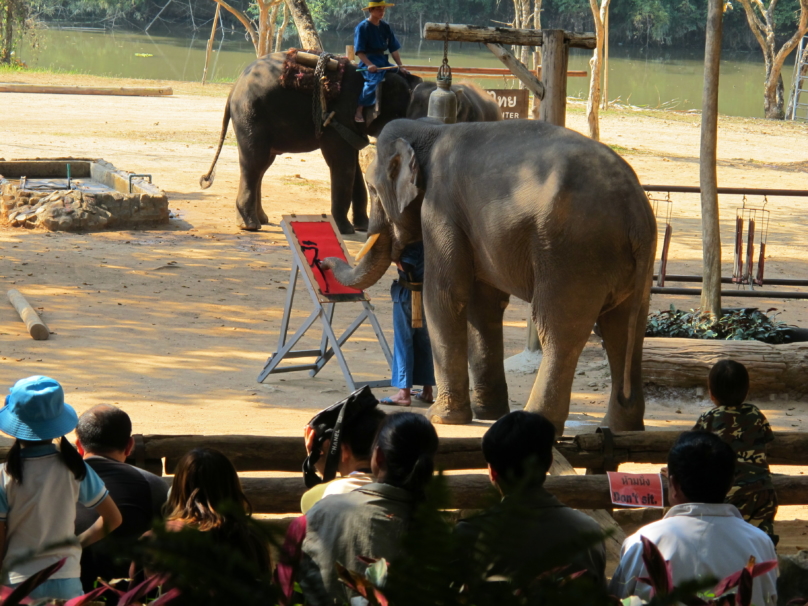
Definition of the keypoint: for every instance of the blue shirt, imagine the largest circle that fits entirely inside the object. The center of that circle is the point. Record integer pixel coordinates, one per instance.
(375, 39)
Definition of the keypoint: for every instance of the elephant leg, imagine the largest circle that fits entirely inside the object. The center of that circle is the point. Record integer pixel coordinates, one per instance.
(248, 200)
(624, 414)
(485, 312)
(448, 283)
(262, 216)
(343, 163)
(564, 314)
(360, 199)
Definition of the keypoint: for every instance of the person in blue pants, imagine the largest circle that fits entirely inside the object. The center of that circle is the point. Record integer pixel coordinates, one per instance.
(372, 39)
(412, 350)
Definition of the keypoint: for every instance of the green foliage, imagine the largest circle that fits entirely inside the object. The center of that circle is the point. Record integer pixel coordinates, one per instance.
(738, 325)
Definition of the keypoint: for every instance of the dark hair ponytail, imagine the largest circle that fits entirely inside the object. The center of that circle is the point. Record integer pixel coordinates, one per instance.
(14, 461)
(72, 459)
(70, 456)
(408, 442)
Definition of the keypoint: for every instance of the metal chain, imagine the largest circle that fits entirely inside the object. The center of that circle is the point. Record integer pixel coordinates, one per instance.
(319, 103)
(445, 72)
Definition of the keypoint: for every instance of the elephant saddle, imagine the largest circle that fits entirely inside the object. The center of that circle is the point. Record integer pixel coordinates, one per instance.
(301, 77)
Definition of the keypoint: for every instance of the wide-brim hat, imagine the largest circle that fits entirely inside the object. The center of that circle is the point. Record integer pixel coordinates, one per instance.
(36, 410)
(377, 5)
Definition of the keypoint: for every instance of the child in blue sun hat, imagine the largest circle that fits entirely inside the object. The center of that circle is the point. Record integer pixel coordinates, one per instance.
(39, 487)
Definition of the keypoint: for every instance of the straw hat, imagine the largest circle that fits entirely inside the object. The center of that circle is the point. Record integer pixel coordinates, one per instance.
(377, 5)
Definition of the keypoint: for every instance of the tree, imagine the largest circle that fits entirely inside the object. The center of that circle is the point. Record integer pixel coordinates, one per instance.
(7, 16)
(596, 63)
(262, 36)
(761, 19)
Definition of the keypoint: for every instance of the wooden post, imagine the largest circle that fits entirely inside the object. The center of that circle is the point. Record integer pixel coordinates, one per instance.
(534, 111)
(711, 234)
(554, 57)
(518, 69)
(209, 49)
(604, 100)
(309, 38)
(350, 53)
(36, 327)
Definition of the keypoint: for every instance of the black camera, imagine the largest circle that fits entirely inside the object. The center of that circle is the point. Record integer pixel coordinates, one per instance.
(327, 425)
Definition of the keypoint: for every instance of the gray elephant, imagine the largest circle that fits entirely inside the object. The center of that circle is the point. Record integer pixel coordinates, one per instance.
(519, 208)
(269, 119)
(473, 103)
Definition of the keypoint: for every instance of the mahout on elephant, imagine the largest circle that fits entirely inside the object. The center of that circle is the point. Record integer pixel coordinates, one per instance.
(473, 103)
(521, 208)
(270, 119)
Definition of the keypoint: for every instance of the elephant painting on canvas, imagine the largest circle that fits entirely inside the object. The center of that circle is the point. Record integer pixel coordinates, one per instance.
(518, 208)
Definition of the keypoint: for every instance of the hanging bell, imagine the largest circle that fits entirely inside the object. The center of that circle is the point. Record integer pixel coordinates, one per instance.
(443, 101)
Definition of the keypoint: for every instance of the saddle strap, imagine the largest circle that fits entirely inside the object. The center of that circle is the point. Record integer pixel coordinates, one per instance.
(355, 140)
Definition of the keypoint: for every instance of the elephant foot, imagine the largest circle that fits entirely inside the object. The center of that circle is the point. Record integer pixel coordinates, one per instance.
(262, 217)
(441, 414)
(490, 412)
(615, 423)
(248, 224)
(344, 226)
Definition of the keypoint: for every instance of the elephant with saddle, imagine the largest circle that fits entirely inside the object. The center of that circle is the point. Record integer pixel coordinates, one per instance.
(521, 208)
(270, 119)
(473, 103)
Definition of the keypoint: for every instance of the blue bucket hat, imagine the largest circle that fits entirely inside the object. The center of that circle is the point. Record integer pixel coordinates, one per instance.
(35, 410)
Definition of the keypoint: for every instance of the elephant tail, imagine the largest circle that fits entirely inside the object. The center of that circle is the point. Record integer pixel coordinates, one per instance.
(206, 180)
(640, 283)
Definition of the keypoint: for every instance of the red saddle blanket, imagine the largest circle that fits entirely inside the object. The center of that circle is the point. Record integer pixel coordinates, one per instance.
(301, 77)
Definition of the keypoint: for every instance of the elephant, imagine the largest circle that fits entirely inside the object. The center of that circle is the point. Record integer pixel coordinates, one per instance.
(269, 119)
(522, 208)
(473, 103)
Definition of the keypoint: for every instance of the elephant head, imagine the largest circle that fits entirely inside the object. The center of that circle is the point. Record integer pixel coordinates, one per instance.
(397, 186)
(396, 92)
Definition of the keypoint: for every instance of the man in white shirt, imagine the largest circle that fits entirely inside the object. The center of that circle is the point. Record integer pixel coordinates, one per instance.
(701, 536)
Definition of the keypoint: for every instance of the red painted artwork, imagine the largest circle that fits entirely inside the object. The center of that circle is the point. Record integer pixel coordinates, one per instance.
(318, 241)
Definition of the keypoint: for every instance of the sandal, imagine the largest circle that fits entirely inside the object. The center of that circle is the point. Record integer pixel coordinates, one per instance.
(418, 394)
(391, 402)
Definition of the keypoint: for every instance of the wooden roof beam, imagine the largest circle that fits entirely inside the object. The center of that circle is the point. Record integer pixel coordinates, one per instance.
(501, 35)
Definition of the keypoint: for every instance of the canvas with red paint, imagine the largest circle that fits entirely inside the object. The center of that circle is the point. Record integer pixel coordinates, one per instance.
(318, 241)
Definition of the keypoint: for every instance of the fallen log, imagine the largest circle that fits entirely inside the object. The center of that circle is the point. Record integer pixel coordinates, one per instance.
(474, 491)
(687, 362)
(36, 327)
(87, 90)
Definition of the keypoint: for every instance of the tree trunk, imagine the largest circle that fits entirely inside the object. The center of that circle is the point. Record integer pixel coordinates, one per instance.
(604, 100)
(596, 63)
(711, 234)
(309, 38)
(8, 34)
(282, 29)
(209, 48)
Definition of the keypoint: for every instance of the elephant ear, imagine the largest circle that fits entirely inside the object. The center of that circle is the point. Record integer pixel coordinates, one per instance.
(462, 101)
(404, 174)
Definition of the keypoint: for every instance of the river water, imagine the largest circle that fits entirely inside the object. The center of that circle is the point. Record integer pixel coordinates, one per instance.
(642, 77)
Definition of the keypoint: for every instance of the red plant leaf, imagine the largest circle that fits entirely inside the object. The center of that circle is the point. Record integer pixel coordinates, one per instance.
(728, 583)
(797, 602)
(289, 561)
(118, 592)
(659, 577)
(744, 595)
(24, 589)
(87, 597)
(763, 568)
(380, 597)
(755, 570)
(141, 589)
(166, 597)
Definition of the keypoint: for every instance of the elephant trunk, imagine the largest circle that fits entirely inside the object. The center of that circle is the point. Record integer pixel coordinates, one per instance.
(370, 268)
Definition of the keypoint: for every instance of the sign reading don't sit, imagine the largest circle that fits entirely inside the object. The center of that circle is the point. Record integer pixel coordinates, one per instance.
(636, 489)
(512, 102)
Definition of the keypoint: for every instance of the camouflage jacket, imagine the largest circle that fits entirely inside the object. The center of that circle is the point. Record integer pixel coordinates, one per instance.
(746, 429)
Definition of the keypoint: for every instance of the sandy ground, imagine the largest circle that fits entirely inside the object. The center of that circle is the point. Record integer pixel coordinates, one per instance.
(174, 324)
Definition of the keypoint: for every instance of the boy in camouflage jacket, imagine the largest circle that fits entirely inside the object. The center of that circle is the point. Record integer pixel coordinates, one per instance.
(746, 430)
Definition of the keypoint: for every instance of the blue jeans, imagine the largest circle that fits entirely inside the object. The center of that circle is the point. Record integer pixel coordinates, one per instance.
(59, 589)
(372, 80)
(412, 350)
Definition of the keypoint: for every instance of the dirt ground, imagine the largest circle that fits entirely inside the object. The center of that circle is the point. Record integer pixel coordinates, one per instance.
(174, 324)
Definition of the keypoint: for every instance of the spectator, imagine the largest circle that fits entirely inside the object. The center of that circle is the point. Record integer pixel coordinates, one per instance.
(355, 442)
(370, 520)
(205, 487)
(537, 527)
(746, 430)
(39, 488)
(104, 439)
(701, 535)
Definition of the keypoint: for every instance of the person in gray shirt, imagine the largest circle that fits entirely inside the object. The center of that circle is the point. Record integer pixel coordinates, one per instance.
(104, 439)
